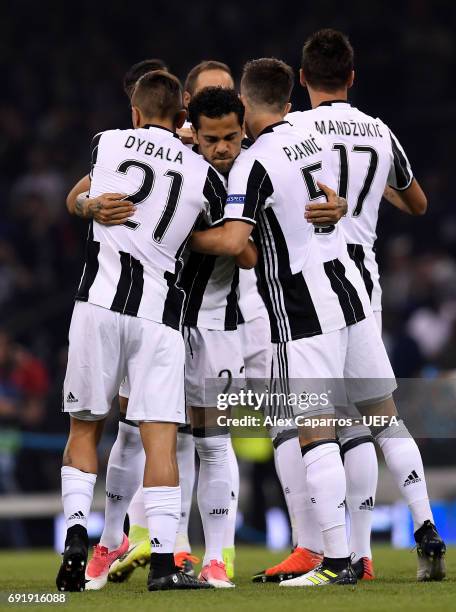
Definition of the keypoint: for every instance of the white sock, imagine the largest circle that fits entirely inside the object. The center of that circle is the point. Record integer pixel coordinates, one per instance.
(214, 488)
(124, 474)
(162, 506)
(136, 511)
(186, 463)
(325, 478)
(289, 464)
(281, 463)
(77, 495)
(403, 458)
(230, 531)
(361, 472)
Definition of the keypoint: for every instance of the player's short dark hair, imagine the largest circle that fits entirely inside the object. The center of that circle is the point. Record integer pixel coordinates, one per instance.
(192, 77)
(158, 94)
(215, 102)
(327, 60)
(137, 70)
(268, 82)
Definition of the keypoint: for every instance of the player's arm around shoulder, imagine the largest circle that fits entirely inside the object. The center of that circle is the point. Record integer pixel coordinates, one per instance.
(106, 208)
(329, 212)
(228, 238)
(73, 204)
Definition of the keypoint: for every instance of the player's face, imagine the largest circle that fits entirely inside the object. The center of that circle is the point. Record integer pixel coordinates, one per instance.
(213, 78)
(219, 140)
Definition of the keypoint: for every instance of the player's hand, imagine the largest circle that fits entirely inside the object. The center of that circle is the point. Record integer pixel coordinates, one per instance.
(110, 208)
(326, 213)
(186, 135)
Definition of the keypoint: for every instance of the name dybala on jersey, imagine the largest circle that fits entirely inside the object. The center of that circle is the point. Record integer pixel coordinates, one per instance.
(311, 285)
(366, 156)
(135, 268)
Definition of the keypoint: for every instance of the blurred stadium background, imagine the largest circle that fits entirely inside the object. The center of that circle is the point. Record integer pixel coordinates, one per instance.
(62, 66)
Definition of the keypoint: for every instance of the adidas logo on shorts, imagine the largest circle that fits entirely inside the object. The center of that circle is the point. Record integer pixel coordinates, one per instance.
(412, 478)
(367, 504)
(70, 398)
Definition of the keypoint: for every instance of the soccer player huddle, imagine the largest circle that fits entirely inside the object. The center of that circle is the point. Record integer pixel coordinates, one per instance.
(233, 251)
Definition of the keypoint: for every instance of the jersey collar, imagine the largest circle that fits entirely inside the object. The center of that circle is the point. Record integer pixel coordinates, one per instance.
(160, 127)
(331, 102)
(270, 128)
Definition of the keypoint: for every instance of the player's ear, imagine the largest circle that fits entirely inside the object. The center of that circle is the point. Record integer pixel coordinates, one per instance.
(287, 108)
(351, 79)
(135, 116)
(243, 100)
(181, 116)
(302, 78)
(195, 135)
(187, 97)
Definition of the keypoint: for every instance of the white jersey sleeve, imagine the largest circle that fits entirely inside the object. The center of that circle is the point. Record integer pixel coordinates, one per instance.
(249, 189)
(214, 197)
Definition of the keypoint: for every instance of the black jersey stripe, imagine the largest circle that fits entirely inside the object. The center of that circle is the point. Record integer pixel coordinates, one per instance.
(349, 301)
(231, 311)
(174, 302)
(403, 175)
(198, 271)
(215, 193)
(277, 267)
(262, 267)
(259, 189)
(90, 267)
(124, 284)
(301, 314)
(277, 316)
(136, 288)
(358, 255)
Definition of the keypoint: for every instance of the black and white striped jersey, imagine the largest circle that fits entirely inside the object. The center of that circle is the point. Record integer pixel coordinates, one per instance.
(135, 268)
(366, 157)
(311, 286)
(211, 287)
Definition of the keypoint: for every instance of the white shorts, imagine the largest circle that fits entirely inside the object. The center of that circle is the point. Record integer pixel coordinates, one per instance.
(366, 262)
(213, 364)
(378, 319)
(105, 347)
(255, 338)
(347, 410)
(347, 364)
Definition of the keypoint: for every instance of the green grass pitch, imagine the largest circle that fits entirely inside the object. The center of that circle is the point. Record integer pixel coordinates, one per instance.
(394, 588)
